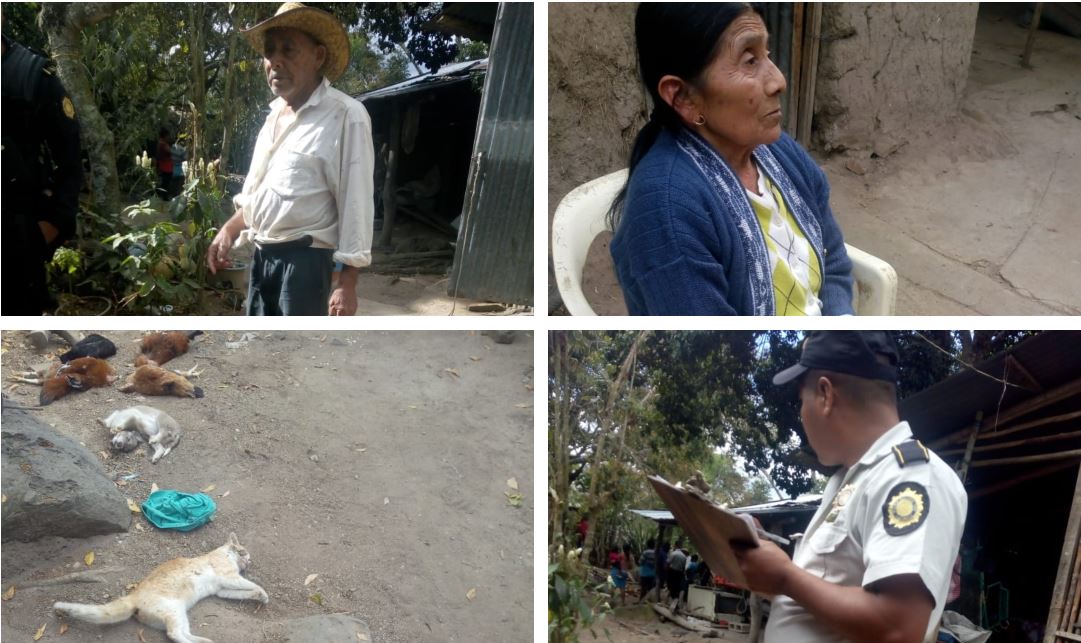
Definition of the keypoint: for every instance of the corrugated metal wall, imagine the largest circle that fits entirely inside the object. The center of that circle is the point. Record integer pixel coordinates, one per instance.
(494, 257)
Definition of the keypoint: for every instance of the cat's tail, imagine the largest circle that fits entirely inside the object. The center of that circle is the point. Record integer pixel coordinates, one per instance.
(115, 612)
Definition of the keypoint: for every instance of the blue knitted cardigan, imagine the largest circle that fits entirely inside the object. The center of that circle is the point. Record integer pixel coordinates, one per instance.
(689, 243)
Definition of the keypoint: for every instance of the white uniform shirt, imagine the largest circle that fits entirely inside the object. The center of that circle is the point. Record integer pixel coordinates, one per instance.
(847, 542)
(316, 179)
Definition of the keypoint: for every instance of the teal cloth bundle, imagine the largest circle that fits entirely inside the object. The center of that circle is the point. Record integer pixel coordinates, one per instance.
(168, 509)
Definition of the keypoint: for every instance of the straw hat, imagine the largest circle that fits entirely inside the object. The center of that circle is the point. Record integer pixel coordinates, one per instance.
(321, 25)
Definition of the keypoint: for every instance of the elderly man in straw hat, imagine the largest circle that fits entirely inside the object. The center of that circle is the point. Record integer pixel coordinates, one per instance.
(307, 200)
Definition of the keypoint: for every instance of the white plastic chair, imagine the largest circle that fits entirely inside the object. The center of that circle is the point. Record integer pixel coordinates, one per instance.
(580, 217)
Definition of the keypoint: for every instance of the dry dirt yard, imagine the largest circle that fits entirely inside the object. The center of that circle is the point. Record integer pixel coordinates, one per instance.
(378, 460)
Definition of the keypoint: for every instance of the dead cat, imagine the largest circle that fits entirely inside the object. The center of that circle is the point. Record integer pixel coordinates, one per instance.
(131, 426)
(164, 597)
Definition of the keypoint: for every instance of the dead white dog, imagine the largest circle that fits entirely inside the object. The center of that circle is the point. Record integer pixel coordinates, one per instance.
(132, 426)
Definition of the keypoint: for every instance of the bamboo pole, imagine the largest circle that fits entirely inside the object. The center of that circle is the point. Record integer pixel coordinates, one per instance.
(1069, 551)
(1068, 389)
(1062, 455)
(1015, 443)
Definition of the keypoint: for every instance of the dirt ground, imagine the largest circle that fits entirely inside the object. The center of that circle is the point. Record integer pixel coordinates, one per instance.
(978, 217)
(378, 460)
(640, 624)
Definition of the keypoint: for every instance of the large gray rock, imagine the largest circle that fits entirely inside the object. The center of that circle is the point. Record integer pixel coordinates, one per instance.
(54, 486)
(331, 628)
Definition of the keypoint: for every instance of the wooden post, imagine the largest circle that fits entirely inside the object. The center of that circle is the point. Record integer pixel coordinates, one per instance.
(795, 68)
(1031, 40)
(809, 75)
(390, 184)
(1065, 565)
(963, 473)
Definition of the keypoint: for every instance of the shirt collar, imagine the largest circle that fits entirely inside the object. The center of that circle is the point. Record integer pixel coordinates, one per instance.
(317, 97)
(883, 445)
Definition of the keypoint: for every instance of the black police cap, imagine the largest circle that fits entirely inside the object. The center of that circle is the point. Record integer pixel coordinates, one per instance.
(853, 352)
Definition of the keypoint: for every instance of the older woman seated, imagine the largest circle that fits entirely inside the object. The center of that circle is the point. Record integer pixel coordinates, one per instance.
(723, 213)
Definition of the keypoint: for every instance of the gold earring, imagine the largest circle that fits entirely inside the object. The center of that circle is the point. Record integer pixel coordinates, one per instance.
(701, 120)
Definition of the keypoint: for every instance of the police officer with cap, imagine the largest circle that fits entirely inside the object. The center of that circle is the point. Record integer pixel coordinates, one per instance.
(874, 563)
(42, 175)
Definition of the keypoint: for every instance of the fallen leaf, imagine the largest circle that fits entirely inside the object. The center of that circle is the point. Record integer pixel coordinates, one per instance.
(131, 586)
(317, 599)
(386, 501)
(63, 629)
(141, 635)
(40, 633)
(139, 526)
(451, 371)
(471, 594)
(226, 493)
(309, 579)
(89, 558)
(154, 487)
(210, 488)
(474, 358)
(523, 405)
(514, 499)
(361, 636)
(8, 595)
(513, 483)
(360, 450)
(133, 506)
(104, 455)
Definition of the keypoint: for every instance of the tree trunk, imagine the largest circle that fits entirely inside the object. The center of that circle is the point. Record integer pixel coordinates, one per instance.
(197, 51)
(558, 437)
(229, 102)
(602, 432)
(63, 24)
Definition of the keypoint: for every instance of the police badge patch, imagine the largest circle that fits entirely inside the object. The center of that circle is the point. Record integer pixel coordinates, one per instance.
(906, 508)
(69, 107)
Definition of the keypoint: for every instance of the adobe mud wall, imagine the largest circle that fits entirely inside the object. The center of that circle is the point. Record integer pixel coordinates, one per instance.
(889, 70)
(595, 102)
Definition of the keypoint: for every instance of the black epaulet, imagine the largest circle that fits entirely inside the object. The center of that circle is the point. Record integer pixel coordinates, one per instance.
(911, 452)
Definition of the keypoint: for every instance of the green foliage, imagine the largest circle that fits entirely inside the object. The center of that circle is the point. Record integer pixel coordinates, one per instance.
(65, 267)
(161, 264)
(571, 607)
(398, 25)
(471, 50)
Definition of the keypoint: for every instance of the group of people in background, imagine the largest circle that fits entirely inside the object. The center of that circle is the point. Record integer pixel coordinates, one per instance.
(664, 568)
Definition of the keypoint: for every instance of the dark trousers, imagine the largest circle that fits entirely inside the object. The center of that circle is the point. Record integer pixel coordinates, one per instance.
(290, 279)
(25, 254)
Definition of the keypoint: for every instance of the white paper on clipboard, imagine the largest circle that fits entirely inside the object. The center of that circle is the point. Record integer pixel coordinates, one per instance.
(710, 527)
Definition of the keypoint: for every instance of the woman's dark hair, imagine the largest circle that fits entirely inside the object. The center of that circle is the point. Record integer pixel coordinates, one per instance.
(678, 39)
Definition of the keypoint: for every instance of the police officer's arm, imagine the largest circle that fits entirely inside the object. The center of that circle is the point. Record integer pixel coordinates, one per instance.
(893, 610)
(61, 127)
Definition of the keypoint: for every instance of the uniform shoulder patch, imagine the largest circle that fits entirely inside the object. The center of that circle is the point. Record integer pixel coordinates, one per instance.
(906, 508)
(69, 107)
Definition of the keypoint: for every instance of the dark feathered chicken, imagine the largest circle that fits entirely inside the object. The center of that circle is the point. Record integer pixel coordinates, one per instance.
(158, 348)
(90, 346)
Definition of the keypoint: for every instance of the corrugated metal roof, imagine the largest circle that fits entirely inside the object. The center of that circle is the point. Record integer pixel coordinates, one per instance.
(450, 74)
(494, 257)
(1052, 358)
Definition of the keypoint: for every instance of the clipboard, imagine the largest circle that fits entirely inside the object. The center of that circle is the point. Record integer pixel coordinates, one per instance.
(710, 527)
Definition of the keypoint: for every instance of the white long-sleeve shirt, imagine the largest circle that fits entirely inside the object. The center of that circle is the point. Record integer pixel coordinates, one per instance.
(316, 179)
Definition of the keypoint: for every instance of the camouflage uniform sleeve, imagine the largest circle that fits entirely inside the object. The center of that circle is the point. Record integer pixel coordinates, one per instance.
(61, 127)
